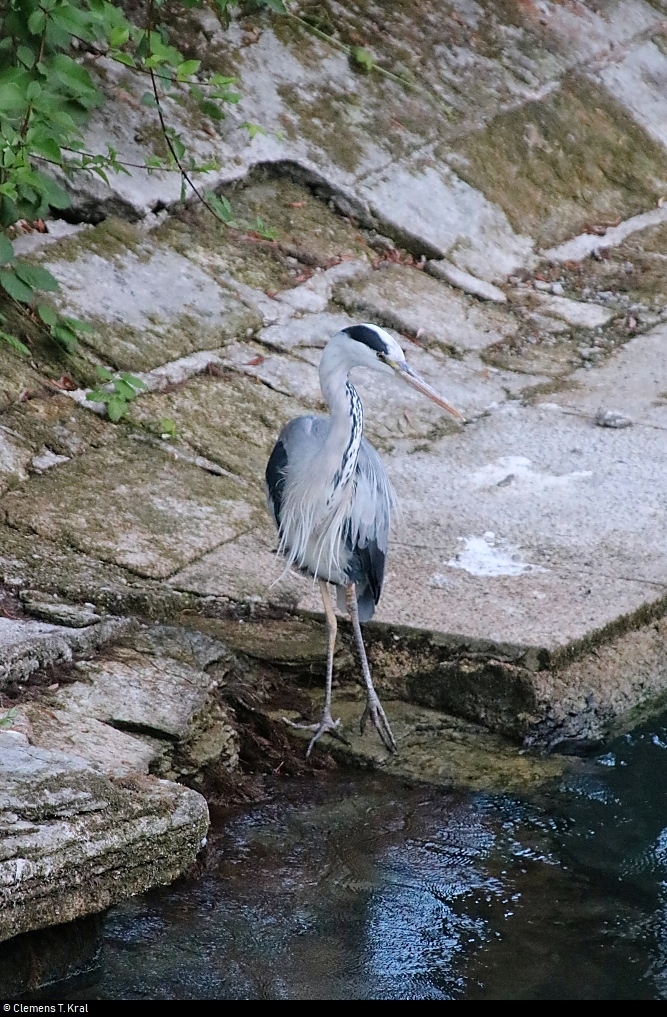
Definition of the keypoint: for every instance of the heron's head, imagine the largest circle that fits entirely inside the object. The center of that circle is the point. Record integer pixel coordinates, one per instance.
(373, 347)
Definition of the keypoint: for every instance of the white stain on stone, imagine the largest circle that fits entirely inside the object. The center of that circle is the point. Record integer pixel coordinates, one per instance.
(488, 556)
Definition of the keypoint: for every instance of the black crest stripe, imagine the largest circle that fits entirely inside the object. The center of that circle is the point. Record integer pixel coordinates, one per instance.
(367, 336)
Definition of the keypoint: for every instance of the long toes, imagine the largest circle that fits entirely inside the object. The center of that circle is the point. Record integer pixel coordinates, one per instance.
(326, 726)
(376, 713)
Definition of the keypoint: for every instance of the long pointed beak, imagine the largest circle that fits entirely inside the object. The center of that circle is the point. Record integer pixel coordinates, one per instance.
(405, 372)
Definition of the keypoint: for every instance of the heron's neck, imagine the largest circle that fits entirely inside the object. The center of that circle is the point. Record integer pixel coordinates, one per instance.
(347, 424)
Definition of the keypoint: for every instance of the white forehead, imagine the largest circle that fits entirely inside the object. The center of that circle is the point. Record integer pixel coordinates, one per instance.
(375, 338)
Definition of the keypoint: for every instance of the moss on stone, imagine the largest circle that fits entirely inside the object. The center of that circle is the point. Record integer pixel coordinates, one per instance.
(233, 420)
(560, 163)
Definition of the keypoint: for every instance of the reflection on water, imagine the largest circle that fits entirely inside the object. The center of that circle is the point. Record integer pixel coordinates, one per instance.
(351, 887)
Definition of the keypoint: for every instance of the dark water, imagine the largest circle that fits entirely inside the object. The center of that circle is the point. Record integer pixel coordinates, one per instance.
(350, 887)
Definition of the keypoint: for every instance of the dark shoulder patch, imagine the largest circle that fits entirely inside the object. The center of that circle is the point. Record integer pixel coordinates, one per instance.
(366, 570)
(366, 335)
(275, 479)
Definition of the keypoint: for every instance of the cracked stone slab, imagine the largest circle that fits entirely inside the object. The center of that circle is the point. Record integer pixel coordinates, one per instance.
(577, 313)
(73, 842)
(147, 303)
(313, 331)
(52, 426)
(637, 80)
(313, 296)
(231, 419)
(633, 383)
(15, 459)
(106, 749)
(158, 695)
(158, 699)
(26, 645)
(131, 504)
(581, 246)
(465, 281)
(416, 304)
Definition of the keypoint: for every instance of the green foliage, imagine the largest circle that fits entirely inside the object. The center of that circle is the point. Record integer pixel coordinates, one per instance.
(167, 428)
(7, 719)
(265, 232)
(47, 95)
(119, 391)
(362, 58)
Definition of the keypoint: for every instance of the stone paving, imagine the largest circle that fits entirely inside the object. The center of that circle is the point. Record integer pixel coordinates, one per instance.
(503, 216)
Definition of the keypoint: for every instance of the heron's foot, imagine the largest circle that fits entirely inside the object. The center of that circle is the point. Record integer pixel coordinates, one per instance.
(376, 713)
(327, 725)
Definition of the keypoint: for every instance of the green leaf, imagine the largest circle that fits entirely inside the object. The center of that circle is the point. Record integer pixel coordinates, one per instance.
(148, 99)
(46, 146)
(6, 250)
(36, 22)
(25, 56)
(187, 68)
(12, 99)
(53, 193)
(15, 343)
(275, 5)
(253, 129)
(363, 58)
(47, 314)
(211, 109)
(167, 428)
(97, 396)
(104, 373)
(12, 285)
(131, 379)
(37, 277)
(33, 91)
(116, 408)
(123, 58)
(65, 336)
(8, 718)
(118, 37)
(124, 391)
(79, 326)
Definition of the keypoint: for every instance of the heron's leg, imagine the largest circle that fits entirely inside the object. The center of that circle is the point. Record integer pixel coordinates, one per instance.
(373, 705)
(327, 723)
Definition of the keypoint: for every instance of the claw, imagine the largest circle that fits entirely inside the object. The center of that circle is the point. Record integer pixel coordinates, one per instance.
(375, 711)
(326, 726)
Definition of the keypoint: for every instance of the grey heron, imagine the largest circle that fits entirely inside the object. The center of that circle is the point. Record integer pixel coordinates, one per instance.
(332, 501)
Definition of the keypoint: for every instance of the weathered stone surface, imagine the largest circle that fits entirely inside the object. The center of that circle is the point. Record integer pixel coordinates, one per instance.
(26, 646)
(73, 842)
(106, 749)
(49, 607)
(418, 305)
(574, 312)
(131, 504)
(433, 747)
(464, 281)
(51, 422)
(148, 304)
(159, 696)
(546, 163)
(312, 331)
(15, 457)
(633, 383)
(232, 420)
(581, 246)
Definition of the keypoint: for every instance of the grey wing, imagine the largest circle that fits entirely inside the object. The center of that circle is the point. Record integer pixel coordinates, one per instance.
(368, 533)
(294, 447)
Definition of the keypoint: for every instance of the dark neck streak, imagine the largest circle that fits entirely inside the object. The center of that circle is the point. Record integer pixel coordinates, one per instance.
(353, 416)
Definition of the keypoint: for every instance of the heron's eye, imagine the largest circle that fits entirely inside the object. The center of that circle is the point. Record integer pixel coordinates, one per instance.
(381, 355)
